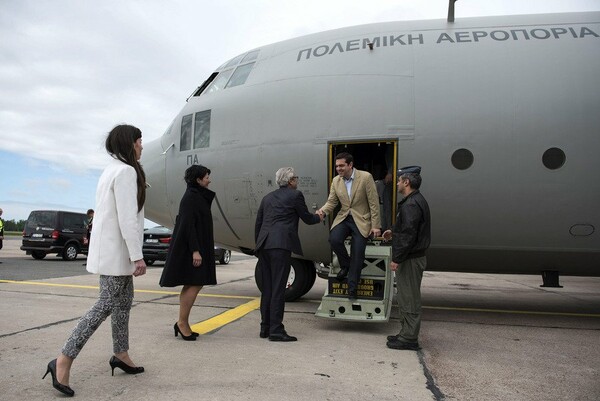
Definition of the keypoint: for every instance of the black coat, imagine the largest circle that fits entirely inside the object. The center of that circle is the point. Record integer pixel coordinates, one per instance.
(277, 220)
(193, 232)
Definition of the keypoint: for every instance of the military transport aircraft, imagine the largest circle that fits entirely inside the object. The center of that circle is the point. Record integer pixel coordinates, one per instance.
(502, 113)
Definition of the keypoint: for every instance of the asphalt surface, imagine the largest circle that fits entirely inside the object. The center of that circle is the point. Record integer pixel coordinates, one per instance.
(483, 337)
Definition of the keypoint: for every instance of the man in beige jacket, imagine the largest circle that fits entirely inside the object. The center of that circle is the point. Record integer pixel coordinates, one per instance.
(355, 191)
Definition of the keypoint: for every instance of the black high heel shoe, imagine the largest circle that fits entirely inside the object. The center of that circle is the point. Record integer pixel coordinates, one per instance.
(117, 363)
(191, 337)
(66, 390)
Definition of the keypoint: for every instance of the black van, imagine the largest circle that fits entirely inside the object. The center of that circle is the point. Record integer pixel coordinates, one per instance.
(55, 231)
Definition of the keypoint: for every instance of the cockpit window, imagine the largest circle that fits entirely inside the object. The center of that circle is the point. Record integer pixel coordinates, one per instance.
(168, 130)
(202, 129)
(219, 82)
(250, 56)
(233, 61)
(226, 76)
(240, 75)
(185, 142)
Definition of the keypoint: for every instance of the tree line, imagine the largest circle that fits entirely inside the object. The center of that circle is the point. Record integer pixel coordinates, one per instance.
(11, 225)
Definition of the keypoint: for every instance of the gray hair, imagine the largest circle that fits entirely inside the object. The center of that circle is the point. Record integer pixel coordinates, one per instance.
(413, 179)
(284, 175)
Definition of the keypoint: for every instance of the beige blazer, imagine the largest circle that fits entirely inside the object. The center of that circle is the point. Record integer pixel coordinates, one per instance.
(363, 202)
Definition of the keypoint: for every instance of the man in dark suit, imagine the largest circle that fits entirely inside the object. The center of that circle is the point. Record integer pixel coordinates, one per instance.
(276, 235)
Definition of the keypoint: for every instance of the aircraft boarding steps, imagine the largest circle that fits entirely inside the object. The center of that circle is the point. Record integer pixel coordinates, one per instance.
(375, 289)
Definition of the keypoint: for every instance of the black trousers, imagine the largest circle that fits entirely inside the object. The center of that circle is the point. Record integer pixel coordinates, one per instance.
(274, 270)
(354, 262)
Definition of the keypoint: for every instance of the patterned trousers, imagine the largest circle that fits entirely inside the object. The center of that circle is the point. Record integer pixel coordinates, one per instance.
(116, 297)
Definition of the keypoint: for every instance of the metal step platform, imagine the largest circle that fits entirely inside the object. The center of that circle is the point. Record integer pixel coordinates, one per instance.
(374, 293)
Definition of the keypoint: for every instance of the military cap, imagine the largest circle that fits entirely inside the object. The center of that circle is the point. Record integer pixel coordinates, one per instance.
(409, 170)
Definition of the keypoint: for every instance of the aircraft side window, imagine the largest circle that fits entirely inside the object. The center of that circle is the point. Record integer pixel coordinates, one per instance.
(462, 159)
(202, 129)
(240, 75)
(219, 82)
(186, 133)
(554, 158)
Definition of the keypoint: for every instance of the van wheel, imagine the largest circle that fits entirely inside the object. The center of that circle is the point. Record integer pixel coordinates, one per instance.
(300, 280)
(149, 262)
(226, 257)
(38, 254)
(70, 252)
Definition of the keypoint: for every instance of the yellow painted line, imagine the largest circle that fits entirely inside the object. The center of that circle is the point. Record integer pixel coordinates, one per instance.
(49, 284)
(508, 311)
(224, 318)
(92, 287)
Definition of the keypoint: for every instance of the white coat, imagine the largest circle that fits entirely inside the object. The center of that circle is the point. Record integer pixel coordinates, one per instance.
(117, 237)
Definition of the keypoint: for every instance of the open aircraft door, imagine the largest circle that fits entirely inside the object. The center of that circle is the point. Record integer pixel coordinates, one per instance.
(376, 286)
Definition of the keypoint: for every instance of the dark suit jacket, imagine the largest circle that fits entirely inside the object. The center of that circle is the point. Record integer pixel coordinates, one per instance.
(277, 220)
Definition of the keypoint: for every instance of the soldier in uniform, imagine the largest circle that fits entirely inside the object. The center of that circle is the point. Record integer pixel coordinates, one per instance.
(410, 236)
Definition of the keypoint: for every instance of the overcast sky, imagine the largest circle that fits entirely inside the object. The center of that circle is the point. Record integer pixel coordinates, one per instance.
(70, 70)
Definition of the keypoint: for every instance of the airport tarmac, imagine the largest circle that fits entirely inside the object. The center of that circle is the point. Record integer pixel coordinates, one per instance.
(483, 337)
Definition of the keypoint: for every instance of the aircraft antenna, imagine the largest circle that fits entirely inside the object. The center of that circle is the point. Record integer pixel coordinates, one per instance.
(451, 10)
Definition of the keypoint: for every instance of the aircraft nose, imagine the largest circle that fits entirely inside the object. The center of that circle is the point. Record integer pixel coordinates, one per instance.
(154, 164)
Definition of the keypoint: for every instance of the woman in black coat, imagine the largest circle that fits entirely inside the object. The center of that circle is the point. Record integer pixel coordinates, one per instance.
(191, 258)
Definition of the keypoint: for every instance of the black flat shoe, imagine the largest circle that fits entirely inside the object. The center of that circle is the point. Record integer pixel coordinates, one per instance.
(397, 344)
(283, 337)
(342, 275)
(191, 337)
(117, 363)
(66, 390)
(264, 334)
(392, 338)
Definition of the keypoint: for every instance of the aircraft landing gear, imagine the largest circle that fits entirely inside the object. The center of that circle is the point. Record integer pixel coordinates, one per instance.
(550, 279)
(300, 281)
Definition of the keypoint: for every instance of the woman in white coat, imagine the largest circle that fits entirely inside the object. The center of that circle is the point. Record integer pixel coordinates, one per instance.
(115, 253)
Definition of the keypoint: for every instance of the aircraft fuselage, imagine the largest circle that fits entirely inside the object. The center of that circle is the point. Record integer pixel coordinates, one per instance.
(502, 113)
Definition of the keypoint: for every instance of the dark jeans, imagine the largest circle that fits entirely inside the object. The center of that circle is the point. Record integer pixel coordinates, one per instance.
(354, 262)
(274, 270)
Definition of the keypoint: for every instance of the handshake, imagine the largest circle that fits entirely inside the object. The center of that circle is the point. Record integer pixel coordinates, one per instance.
(321, 214)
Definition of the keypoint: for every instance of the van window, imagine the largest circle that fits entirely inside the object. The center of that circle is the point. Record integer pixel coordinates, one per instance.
(41, 219)
(73, 221)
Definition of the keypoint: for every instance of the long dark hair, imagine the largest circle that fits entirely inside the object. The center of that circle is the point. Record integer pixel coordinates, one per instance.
(120, 144)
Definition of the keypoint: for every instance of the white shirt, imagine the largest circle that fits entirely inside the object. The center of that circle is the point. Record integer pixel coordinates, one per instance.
(348, 182)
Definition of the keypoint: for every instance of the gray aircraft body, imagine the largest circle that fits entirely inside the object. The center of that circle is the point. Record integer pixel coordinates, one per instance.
(502, 113)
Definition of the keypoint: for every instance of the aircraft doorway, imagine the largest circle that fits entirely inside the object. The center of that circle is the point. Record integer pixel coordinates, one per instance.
(378, 158)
